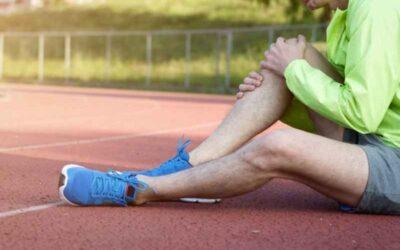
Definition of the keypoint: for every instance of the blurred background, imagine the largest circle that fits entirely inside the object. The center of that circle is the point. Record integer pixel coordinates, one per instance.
(176, 45)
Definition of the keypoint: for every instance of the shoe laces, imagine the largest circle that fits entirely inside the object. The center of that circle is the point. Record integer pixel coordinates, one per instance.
(180, 156)
(181, 151)
(113, 185)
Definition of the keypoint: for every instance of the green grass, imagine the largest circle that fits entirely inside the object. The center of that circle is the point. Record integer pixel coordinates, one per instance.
(167, 75)
(150, 15)
(128, 56)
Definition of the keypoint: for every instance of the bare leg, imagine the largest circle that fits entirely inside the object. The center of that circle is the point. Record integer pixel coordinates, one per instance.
(336, 169)
(260, 109)
(251, 115)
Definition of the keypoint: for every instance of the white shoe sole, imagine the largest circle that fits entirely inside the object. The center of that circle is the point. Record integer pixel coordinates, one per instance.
(63, 182)
(200, 200)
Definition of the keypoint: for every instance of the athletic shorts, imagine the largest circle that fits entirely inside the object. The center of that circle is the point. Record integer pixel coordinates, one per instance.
(382, 194)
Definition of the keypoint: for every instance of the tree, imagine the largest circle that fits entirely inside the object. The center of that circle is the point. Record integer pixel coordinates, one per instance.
(297, 12)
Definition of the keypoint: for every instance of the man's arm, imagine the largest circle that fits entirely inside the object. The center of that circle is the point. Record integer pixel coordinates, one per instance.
(371, 74)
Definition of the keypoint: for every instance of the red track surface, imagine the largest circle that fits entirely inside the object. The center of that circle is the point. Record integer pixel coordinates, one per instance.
(43, 128)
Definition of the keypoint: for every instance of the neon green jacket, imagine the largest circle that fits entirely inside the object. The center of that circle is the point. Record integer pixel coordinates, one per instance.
(364, 46)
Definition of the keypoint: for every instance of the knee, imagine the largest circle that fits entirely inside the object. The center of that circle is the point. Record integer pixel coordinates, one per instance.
(269, 152)
(276, 144)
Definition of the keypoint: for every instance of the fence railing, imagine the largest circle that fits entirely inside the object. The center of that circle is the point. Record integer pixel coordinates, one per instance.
(225, 36)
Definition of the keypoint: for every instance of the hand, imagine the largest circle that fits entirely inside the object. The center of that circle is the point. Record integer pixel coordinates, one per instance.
(283, 53)
(250, 83)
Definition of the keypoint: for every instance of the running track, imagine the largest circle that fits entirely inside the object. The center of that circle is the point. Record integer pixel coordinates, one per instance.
(43, 128)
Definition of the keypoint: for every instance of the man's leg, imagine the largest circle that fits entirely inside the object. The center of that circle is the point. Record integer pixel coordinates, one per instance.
(251, 115)
(334, 168)
(258, 110)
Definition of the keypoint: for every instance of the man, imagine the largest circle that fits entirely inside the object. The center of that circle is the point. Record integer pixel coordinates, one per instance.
(352, 100)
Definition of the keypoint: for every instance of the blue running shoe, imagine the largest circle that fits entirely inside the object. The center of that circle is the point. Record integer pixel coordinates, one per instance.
(85, 187)
(346, 208)
(178, 163)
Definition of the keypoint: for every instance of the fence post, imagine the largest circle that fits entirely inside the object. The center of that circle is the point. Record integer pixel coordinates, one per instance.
(218, 58)
(41, 57)
(314, 34)
(188, 58)
(67, 57)
(1, 55)
(271, 34)
(149, 45)
(229, 45)
(107, 57)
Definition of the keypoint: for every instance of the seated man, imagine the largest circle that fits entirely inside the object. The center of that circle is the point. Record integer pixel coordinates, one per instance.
(353, 102)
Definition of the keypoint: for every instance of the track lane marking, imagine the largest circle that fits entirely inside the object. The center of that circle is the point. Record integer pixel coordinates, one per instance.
(104, 139)
(21, 211)
(30, 209)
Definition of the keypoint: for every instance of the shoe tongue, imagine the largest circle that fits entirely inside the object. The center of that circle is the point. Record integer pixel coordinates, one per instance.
(184, 155)
(182, 151)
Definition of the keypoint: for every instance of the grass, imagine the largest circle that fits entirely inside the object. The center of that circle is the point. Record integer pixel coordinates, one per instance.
(150, 15)
(128, 65)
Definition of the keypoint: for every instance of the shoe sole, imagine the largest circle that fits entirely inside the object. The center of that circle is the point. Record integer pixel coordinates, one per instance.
(200, 200)
(63, 180)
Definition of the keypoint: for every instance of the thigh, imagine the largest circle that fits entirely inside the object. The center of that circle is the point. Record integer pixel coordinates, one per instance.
(336, 169)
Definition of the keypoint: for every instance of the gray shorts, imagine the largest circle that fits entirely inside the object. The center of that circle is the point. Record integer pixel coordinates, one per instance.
(382, 195)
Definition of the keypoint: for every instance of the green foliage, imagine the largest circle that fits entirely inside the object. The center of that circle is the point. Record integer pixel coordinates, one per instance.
(158, 14)
(296, 11)
(128, 55)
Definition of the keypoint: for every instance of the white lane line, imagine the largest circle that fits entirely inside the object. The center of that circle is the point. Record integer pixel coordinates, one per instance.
(105, 139)
(30, 209)
(113, 138)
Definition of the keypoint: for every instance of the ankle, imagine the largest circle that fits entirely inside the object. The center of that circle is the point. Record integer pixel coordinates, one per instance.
(196, 157)
(193, 158)
(146, 195)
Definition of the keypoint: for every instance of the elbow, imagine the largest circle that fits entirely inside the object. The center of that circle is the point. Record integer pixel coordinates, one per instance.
(368, 121)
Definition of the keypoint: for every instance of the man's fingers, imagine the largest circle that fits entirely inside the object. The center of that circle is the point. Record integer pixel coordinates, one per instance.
(248, 81)
(239, 95)
(280, 41)
(292, 41)
(252, 81)
(246, 87)
(266, 64)
(267, 53)
(263, 64)
(269, 65)
(256, 76)
(301, 39)
(270, 55)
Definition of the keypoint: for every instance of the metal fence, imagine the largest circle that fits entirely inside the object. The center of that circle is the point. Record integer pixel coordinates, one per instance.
(224, 45)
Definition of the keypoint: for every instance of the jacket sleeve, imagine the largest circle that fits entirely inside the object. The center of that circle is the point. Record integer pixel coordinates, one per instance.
(371, 73)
